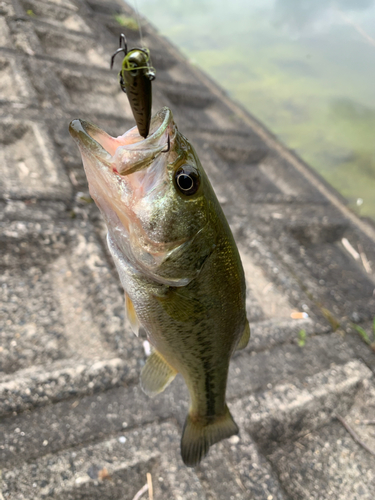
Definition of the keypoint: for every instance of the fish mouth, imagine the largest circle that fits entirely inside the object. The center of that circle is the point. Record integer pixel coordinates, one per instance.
(119, 181)
(131, 181)
(129, 152)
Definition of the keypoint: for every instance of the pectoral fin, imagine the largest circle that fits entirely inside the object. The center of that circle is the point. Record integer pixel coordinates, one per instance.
(244, 340)
(132, 315)
(156, 374)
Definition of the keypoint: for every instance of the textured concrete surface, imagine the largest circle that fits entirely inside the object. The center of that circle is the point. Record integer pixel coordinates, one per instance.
(74, 423)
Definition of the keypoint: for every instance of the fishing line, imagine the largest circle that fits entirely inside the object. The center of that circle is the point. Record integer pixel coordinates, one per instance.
(139, 22)
(136, 10)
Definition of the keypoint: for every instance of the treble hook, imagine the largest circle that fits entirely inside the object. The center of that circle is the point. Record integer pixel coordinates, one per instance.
(168, 147)
(121, 48)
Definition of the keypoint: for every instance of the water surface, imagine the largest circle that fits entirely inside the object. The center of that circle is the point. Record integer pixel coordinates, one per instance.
(306, 69)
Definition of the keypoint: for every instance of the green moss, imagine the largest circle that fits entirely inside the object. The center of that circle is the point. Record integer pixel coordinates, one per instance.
(127, 22)
(301, 338)
(362, 333)
(365, 336)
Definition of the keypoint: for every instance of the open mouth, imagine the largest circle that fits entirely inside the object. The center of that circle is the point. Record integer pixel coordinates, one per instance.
(131, 204)
(109, 161)
(129, 152)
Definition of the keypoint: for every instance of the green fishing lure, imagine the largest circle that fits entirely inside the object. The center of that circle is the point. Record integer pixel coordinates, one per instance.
(135, 76)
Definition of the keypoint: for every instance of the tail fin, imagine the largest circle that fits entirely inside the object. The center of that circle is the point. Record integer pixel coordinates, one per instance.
(197, 438)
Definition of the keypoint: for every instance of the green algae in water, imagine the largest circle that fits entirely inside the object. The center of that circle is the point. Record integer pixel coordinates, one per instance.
(302, 68)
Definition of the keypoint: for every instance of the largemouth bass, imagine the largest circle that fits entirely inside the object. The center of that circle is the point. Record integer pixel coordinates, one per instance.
(178, 264)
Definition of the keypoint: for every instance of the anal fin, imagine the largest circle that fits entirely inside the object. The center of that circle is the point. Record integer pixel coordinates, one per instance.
(156, 375)
(244, 340)
(132, 315)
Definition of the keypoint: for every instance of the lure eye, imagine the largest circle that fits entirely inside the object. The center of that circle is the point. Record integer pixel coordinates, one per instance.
(134, 70)
(187, 180)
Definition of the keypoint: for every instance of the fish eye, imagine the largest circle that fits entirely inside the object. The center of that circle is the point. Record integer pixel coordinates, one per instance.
(187, 180)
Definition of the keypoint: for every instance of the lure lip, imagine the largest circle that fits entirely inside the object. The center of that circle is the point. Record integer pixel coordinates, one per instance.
(131, 147)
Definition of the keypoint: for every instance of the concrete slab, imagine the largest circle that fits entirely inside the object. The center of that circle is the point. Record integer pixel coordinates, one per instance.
(30, 165)
(61, 14)
(113, 469)
(326, 464)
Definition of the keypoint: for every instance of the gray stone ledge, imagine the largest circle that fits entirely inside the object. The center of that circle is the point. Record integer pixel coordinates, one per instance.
(286, 412)
(75, 474)
(325, 464)
(42, 385)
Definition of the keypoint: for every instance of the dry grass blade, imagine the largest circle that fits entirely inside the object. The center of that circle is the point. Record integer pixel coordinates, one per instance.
(350, 249)
(365, 262)
(150, 488)
(354, 434)
(141, 492)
